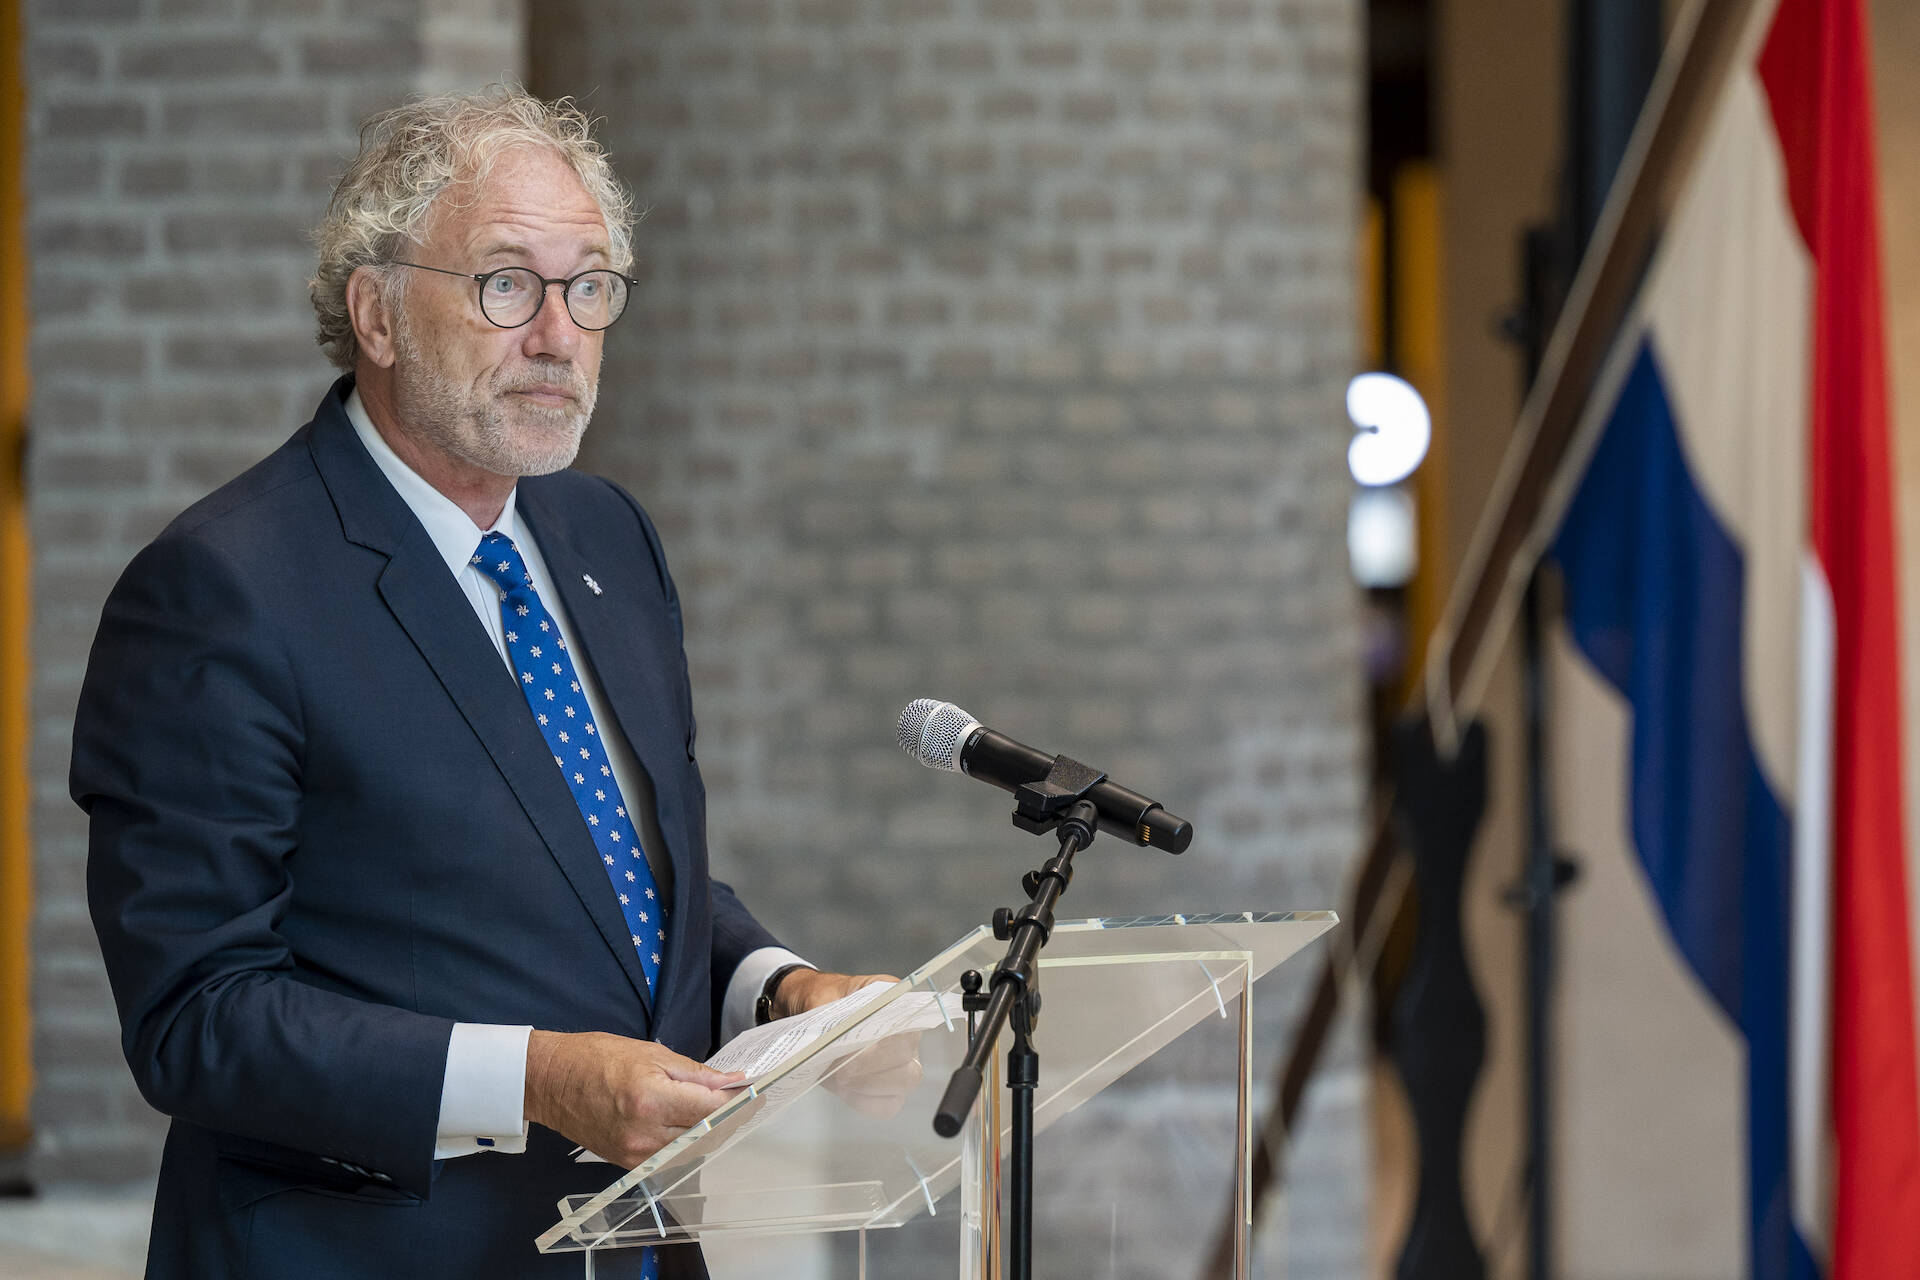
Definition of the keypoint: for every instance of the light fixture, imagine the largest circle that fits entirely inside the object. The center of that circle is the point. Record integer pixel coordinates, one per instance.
(1394, 429)
(1381, 537)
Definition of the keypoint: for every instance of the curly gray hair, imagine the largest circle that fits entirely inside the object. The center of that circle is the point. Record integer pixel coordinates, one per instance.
(410, 154)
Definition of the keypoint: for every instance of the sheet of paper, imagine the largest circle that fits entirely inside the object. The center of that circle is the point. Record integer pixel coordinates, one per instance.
(760, 1051)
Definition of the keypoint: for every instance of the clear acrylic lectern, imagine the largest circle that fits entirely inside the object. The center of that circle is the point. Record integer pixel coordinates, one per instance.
(806, 1148)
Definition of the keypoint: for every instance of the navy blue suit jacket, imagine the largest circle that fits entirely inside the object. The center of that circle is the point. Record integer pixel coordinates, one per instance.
(325, 828)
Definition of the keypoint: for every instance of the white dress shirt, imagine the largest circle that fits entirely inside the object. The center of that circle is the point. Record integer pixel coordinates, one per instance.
(482, 1102)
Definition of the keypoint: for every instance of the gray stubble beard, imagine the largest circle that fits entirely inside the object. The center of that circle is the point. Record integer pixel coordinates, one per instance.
(435, 408)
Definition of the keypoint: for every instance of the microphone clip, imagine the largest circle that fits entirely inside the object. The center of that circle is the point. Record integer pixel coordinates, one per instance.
(1039, 807)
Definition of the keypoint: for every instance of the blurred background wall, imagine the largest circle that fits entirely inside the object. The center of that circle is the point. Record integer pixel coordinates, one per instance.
(995, 352)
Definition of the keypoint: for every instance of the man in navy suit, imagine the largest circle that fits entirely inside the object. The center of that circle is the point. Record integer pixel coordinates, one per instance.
(370, 943)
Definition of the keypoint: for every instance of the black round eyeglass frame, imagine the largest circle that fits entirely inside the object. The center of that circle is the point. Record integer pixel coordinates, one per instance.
(566, 284)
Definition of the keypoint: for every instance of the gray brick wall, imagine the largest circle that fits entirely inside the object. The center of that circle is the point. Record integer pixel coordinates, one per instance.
(993, 350)
(178, 152)
(989, 350)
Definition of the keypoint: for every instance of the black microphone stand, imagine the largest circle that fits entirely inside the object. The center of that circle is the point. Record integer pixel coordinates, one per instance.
(1055, 803)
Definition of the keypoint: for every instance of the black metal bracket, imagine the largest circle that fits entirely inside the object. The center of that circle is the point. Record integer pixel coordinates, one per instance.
(1039, 806)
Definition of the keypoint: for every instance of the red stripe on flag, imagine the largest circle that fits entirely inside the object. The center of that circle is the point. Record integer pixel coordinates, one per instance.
(1817, 79)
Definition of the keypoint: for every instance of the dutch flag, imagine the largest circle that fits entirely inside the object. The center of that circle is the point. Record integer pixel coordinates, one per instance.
(1727, 551)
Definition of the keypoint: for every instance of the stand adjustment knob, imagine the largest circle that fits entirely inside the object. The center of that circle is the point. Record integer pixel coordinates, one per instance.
(972, 998)
(1003, 923)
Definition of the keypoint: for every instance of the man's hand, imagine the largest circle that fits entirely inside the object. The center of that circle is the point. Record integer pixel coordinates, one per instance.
(619, 1098)
(874, 1081)
(805, 989)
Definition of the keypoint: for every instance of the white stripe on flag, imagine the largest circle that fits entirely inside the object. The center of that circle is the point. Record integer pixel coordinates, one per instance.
(1729, 303)
(1811, 1014)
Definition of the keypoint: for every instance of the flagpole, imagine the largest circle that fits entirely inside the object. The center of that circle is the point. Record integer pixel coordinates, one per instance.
(1527, 496)
(1613, 57)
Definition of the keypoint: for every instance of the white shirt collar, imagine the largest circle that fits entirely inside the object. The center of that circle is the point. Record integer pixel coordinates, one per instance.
(453, 531)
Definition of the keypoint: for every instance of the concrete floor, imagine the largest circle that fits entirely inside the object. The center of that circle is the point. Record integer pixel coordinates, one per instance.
(95, 1235)
(89, 1235)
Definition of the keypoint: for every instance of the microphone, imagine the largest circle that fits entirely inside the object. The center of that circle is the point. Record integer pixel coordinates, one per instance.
(942, 736)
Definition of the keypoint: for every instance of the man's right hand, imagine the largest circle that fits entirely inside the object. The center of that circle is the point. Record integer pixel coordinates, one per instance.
(619, 1098)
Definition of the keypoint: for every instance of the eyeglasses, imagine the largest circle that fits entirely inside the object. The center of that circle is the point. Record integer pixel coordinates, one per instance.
(513, 296)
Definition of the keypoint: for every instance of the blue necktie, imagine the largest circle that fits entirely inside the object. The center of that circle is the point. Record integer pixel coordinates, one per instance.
(552, 688)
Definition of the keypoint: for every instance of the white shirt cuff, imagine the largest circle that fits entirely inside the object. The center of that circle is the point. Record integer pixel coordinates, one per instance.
(483, 1100)
(743, 989)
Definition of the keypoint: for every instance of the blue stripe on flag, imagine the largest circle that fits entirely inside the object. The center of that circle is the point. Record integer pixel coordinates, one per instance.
(1655, 600)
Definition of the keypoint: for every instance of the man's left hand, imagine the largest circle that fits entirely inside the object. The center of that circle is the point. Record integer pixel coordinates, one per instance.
(805, 989)
(874, 1081)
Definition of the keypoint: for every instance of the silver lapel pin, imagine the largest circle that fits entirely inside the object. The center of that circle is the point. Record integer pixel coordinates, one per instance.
(591, 584)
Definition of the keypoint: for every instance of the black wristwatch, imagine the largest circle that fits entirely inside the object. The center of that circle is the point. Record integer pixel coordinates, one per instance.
(763, 1007)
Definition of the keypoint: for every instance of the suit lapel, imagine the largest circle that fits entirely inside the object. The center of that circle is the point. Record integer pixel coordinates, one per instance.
(436, 614)
(437, 617)
(617, 630)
